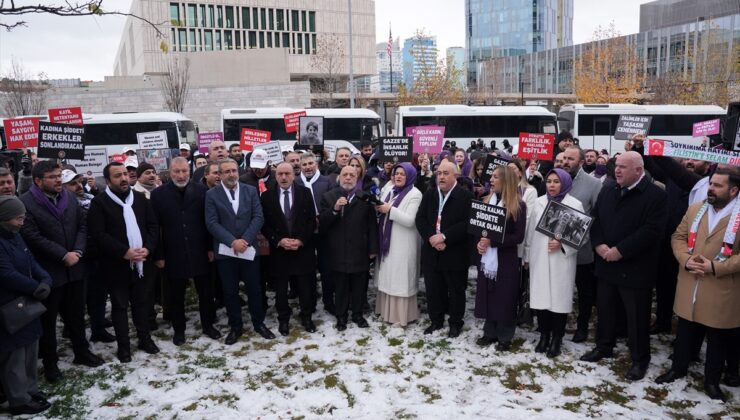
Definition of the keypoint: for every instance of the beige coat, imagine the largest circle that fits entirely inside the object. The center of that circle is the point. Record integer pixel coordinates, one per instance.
(717, 296)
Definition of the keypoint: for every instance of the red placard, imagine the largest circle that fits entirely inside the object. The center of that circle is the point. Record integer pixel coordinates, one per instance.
(251, 137)
(536, 146)
(21, 133)
(71, 115)
(292, 121)
(117, 158)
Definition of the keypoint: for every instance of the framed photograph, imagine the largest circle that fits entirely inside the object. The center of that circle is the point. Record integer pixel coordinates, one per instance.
(565, 224)
(311, 130)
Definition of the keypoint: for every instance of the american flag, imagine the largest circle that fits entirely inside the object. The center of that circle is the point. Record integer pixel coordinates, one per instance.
(390, 43)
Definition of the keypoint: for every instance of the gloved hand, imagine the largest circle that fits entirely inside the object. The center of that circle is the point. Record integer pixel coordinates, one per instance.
(26, 164)
(42, 292)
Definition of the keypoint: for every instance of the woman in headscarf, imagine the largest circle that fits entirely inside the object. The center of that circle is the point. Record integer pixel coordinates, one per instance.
(497, 288)
(398, 260)
(552, 266)
(20, 276)
(600, 169)
(463, 162)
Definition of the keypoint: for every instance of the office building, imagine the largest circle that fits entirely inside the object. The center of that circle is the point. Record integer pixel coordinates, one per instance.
(419, 57)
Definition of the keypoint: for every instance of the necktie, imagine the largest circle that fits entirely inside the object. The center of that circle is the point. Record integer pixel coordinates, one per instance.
(233, 194)
(286, 204)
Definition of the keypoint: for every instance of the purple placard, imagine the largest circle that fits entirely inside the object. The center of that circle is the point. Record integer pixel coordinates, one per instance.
(205, 139)
(428, 138)
(706, 128)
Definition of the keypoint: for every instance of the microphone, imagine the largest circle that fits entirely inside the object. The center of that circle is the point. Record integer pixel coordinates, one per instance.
(344, 194)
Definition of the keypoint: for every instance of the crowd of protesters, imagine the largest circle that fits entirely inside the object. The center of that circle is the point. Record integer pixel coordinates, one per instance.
(231, 222)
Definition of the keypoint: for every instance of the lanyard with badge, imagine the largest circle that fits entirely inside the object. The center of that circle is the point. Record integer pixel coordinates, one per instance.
(442, 202)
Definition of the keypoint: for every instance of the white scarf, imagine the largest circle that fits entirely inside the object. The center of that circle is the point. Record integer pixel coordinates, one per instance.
(489, 260)
(132, 227)
(699, 192)
(309, 183)
(234, 201)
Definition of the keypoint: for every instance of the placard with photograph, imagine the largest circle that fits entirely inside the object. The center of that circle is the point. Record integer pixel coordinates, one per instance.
(312, 131)
(565, 224)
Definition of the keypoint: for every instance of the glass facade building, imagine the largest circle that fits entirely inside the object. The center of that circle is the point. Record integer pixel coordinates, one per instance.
(419, 55)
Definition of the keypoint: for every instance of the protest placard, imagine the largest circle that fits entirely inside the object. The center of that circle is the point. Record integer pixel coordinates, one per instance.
(159, 158)
(705, 128)
(491, 163)
(205, 139)
(152, 140)
(252, 137)
(292, 121)
(428, 138)
(92, 165)
(311, 131)
(565, 224)
(61, 141)
(331, 150)
(536, 146)
(395, 149)
(274, 153)
(656, 147)
(487, 221)
(71, 115)
(21, 133)
(629, 125)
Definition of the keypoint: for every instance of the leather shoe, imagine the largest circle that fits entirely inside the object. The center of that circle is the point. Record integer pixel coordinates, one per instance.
(284, 329)
(212, 332)
(40, 397)
(233, 337)
(486, 341)
(31, 407)
(432, 328)
(309, 325)
(102, 337)
(595, 355)
(88, 359)
(732, 379)
(178, 339)
(455, 331)
(147, 344)
(670, 376)
(265, 332)
(580, 336)
(52, 373)
(543, 344)
(636, 372)
(341, 324)
(714, 392)
(554, 350)
(124, 355)
(360, 322)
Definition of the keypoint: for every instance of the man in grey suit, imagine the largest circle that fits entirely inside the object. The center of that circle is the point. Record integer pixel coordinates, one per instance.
(234, 217)
(586, 189)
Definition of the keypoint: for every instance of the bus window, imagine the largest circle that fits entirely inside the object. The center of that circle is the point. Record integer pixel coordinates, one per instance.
(566, 120)
(369, 131)
(188, 132)
(276, 127)
(105, 134)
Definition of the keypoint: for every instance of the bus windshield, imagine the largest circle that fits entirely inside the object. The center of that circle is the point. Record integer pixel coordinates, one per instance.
(108, 134)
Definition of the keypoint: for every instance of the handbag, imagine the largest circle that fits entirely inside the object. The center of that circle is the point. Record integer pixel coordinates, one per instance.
(20, 312)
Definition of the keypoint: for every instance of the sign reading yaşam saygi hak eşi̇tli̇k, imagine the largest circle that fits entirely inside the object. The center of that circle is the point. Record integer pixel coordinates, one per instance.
(61, 141)
(487, 221)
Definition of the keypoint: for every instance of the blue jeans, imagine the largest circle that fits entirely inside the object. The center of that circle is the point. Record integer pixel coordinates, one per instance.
(235, 270)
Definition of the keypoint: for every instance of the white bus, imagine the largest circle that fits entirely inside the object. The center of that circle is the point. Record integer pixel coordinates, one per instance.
(353, 125)
(464, 124)
(594, 125)
(118, 130)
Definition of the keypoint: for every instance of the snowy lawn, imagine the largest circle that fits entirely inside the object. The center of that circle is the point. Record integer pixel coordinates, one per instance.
(381, 372)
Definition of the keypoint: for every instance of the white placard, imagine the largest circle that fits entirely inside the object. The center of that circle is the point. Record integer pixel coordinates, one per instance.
(331, 150)
(152, 140)
(95, 160)
(274, 153)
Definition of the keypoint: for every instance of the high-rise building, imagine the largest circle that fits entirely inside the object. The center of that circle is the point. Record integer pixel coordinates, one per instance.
(456, 58)
(496, 28)
(664, 13)
(384, 63)
(419, 56)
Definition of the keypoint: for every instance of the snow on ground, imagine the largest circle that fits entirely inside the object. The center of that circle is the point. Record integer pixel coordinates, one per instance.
(381, 372)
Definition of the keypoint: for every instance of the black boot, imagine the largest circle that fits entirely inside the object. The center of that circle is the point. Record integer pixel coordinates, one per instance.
(543, 344)
(554, 350)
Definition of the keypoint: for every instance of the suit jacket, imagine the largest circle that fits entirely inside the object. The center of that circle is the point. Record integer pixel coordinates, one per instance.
(586, 189)
(453, 225)
(108, 232)
(634, 224)
(718, 294)
(251, 179)
(320, 187)
(185, 241)
(301, 226)
(351, 235)
(224, 225)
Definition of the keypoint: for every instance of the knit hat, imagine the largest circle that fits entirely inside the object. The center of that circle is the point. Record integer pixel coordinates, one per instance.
(10, 207)
(143, 168)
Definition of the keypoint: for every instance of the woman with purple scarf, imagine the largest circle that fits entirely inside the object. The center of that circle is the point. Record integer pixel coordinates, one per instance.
(398, 260)
(552, 263)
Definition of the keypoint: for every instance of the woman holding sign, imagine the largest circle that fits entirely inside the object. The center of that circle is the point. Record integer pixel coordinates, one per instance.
(497, 290)
(552, 267)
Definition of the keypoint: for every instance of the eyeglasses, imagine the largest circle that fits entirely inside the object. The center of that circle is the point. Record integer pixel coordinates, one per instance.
(53, 177)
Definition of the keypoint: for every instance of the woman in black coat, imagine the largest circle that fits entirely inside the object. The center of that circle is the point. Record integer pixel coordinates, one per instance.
(20, 275)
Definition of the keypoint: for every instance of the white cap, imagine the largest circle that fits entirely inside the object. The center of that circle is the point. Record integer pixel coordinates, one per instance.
(184, 146)
(258, 160)
(131, 162)
(69, 175)
(128, 149)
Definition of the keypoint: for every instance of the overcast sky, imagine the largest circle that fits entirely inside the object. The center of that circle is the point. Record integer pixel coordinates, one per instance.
(85, 47)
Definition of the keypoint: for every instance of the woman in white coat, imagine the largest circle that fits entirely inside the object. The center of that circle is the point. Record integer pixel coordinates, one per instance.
(552, 267)
(398, 260)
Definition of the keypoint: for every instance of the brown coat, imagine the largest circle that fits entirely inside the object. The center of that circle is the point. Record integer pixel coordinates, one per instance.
(717, 296)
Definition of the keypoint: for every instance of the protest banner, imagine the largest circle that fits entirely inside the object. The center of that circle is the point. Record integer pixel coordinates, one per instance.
(629, 125)
(491, 163)
(61, 141)
(705, 128)
(152, 140)
(159, 158)
(428, 138)
(120, 158)
(395, 149)
(487, 221)
(92, 165)
(656, 147)
(205, 139)
(536, 146)
(274, 152)
(21, 133)
(292, 121)
(252, 137)
(71, 115)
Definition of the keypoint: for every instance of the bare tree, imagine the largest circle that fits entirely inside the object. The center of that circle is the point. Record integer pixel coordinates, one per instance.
(328, 61)
(175, 84)
(20, 94)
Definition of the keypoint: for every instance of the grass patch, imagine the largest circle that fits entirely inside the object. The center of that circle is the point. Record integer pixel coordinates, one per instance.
(572, 392)
(512, 374)
(311, 347)
(362, 342)
(480, 371)
(310, 366)
(396, 359)
(393, 341)
(118, 395)
(440, 345)
(210, 362)
(287, 355)
(430, 393)
(264, 345)
(331, 381)
(226, 398)
(70, 400)
(656, 395)
(190, 407)
(609, 391)
(417, 345)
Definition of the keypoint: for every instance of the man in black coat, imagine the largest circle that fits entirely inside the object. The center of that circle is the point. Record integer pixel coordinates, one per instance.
(349, 226)
(290, 220)
(56, 233)
(628, 223)
(442, 222)
(185, 250)
(125, 231)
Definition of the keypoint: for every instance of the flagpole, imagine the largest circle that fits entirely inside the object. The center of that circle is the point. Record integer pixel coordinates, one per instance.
(390, 55)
